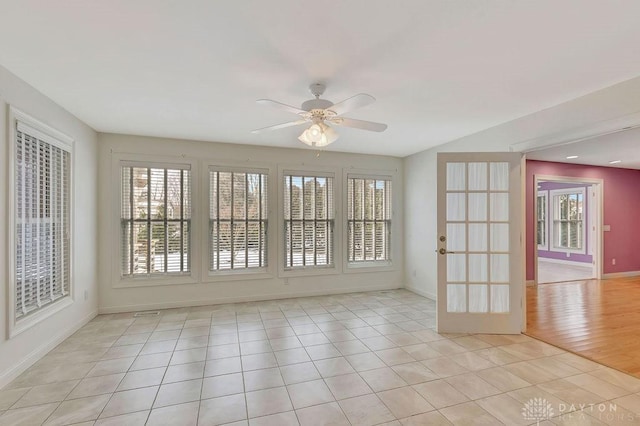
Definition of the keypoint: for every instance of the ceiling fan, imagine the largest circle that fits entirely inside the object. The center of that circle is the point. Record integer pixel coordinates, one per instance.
(321, 113)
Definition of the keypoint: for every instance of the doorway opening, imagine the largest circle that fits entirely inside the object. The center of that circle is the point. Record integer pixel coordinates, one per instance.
(568, 229)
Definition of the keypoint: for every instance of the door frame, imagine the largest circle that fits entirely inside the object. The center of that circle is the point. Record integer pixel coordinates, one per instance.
(572, 136)
(598, 186)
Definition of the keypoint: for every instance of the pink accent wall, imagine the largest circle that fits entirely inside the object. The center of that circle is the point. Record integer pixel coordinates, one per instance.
(621, 211)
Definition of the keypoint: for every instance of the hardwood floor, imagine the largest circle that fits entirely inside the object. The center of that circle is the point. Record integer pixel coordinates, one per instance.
(598, 319)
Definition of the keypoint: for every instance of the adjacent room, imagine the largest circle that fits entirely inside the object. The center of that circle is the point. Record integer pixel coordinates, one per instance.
(565, 230)
(292, 213)
(589, 310)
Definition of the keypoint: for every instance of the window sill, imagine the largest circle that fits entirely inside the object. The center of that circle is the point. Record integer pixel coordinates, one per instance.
(567, 250)
(154, 281)
(364, 267)
(308, 271)
(238, 275)
(39, 316)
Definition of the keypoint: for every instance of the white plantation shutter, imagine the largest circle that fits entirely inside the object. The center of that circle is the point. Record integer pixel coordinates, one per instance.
(237, 219)
(42, 220)
(542, 221)
(155, 219)
(369, 219)
(309, 218)
(568, 222)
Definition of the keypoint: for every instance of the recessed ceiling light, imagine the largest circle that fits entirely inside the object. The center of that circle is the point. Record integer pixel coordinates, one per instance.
(571, 157)
(615, 161)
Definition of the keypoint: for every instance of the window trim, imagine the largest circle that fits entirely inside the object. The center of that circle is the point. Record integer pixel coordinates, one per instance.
(267, 272)
(373, 265)
(545, 194)
(320, 171)
(118, 159)
(63, 141)
(556, 209)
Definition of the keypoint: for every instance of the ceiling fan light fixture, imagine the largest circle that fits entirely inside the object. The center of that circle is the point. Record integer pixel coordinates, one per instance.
(315, 132)
(318, 135)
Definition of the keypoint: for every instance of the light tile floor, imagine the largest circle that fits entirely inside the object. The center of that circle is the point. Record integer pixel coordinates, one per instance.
(357, 359)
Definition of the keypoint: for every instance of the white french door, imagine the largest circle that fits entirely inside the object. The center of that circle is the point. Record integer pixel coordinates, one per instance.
(480, 250)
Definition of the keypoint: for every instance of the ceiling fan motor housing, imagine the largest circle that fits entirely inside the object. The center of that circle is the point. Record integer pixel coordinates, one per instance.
(316, 104)
(316, 89)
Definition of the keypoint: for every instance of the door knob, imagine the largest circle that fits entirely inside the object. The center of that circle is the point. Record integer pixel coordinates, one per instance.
(445, 251)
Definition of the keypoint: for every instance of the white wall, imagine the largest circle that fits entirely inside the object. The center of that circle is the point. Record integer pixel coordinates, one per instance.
(420, 169)
(112, 299)
(24, 349)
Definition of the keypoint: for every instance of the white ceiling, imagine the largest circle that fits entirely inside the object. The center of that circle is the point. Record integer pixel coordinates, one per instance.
(193, 69)
(598, 151)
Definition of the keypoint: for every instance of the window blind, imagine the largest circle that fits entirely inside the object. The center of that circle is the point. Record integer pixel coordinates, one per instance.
(368, 219)
(237, 220)
(542, 220)
(42, 198)
(155, 219)
(308, 220)
(568, 222)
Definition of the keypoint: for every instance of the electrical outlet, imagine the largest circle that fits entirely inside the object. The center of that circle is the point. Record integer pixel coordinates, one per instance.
(286, 281)
(86, 295)
(613, 261)
(415, 273)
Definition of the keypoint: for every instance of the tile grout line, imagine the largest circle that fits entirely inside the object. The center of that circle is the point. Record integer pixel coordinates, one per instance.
(244, 386)
(114, 392)
(321, 378)
(293, 408)
(204, 369)
(163, 376)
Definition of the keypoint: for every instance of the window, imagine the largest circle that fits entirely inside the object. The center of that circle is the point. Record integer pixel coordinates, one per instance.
(568, 220)
(542, 221)
(41, 205)
(155, 219)
(237, 220)
(368, 219)
(308, 220)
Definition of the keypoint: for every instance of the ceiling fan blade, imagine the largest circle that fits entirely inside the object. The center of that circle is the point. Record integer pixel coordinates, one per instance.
(358, 101)
(359, 124)
(279, 126)
(280, 105)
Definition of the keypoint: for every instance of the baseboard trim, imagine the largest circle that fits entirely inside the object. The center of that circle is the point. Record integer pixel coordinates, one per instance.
(240, 299)
(565, 262)
(35, 355)
(421, 292)
(621, 274)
